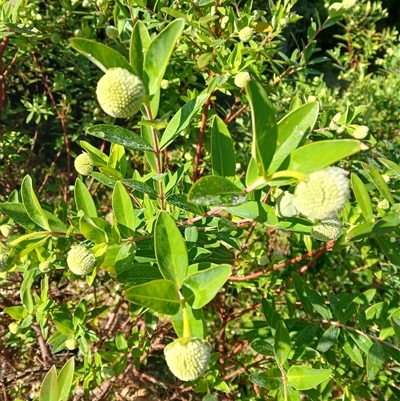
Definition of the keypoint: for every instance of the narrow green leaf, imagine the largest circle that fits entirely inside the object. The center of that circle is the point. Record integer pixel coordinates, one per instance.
(84, 200)
(216, 191)
(25, 290)
(222, 150)
(291, 131)
(170, 249)
(158, 54)
(91, 230)
(140, 187)
(123, 210)
(395, 322)
(206, 283)
(265, 130)
(119, 135)
(271, 379)
(140, 42)
(318, 302)
(262, 347)
(375, 360)
(360, 231)
(196, 322)
(16, 312)
(328, 339)
(390, 249)
(282, 345)
(65, 378)
(99, 158)
(387, 224)
(17, 212)
(181, 120)
(318, 155)
(361, 194)
(49, 388)
(258, 211)
(301, 293)
(32, 205)
(378, 181)
(120, 342)
(305, 378)
(159, 295)
(337, 308)
(351, 349)
(387, 330)
(393, 167)
(101, 55)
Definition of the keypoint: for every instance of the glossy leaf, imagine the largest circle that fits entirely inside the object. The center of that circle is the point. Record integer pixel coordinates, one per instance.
(305, 378)
(101, 55)
(196, 322)
(32, 205)
(159, 295)
(119, 135)
(390, 249)
(140, 187)
(318, 155)
(337, 308)
(170, 249)
(123, 210)
(84, 200)
(91, 230)
(258, 211)
(378, 181)
(282, 344)
(301, 293)
(206, 283)
(222, 150)
(181, 120)
(375, 360)
(65, 378)
(318, 303)
(351, 349)
(271, 379)
(140, 42)
(291, 131)
(17, 212)
(158, 54)
(265, 130)
(387, 224)
(328, 339)
(393, 167)
(216, 191)
(49, 389)
(361, 194)
(99, 158)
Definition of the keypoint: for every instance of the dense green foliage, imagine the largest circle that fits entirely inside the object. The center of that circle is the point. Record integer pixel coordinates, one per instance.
(213, 214)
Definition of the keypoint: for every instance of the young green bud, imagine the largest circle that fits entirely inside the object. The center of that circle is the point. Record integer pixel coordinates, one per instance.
(13, 328)
(55, 38)
(84, 164)
(112, 32)
(326, 230)
(45, 267)
(242, 78)
(187, 358)
(323, 194)
(246, 34)
(71, 344)
(80, 260)
(120, 93)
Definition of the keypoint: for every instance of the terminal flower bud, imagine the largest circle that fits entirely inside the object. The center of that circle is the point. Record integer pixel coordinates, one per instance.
(242, 78)
(187, 358)
(246, 34)
(80, 260)
(84, 164)
(14, 328)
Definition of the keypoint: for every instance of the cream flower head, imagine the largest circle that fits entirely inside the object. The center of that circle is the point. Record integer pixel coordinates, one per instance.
(80, 260)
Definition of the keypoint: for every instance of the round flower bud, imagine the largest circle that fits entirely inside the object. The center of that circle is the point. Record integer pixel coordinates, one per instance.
(4, 265)
(84, 164)
(45, 267)
(242, 78)
(78, 33)
(187, 358)
(164, 84)
(71, 343)
(80, 260)
(326, 230)
(55, 38)
(120, 93)
(13, 327)
(112, 32)
(246, 34)
(323, 194)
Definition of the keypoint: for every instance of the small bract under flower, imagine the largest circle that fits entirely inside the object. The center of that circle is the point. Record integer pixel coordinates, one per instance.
(326, 230)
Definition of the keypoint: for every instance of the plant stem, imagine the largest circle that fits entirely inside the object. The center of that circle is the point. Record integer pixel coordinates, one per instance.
(186, 324)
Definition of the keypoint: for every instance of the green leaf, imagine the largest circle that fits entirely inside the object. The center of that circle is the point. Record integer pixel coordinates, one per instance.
(375, 360)
(99, 158)
(318, 155)
(140, 187)
(17, 212)
(216, 191)
(140, 42)
(170, 249)
(393, 167)
(196, 322)
(305, 378)
(351, 349)
(181, 202)
(206, 283)
(16, 312)
(291, 131)
(25, 290)
(328, 339)
(101, 55)
(337, 308)
(271, 379)
(49, 389)
(181, 120)
(395, 322)
(65, 378)
(119, 135)
(362, 196)
(120, 342)
(32, 205)
(301, 293)
(360, 231)
(378, 181)
(390, 249)
(123, 210)
(158, 54)
(159, 295)
(84, 200)
(265, 130)
(222, 150)
(282, 345)
(262, 347)
(91, 230)
(258, 211)
(387, 224)
(318, 302)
